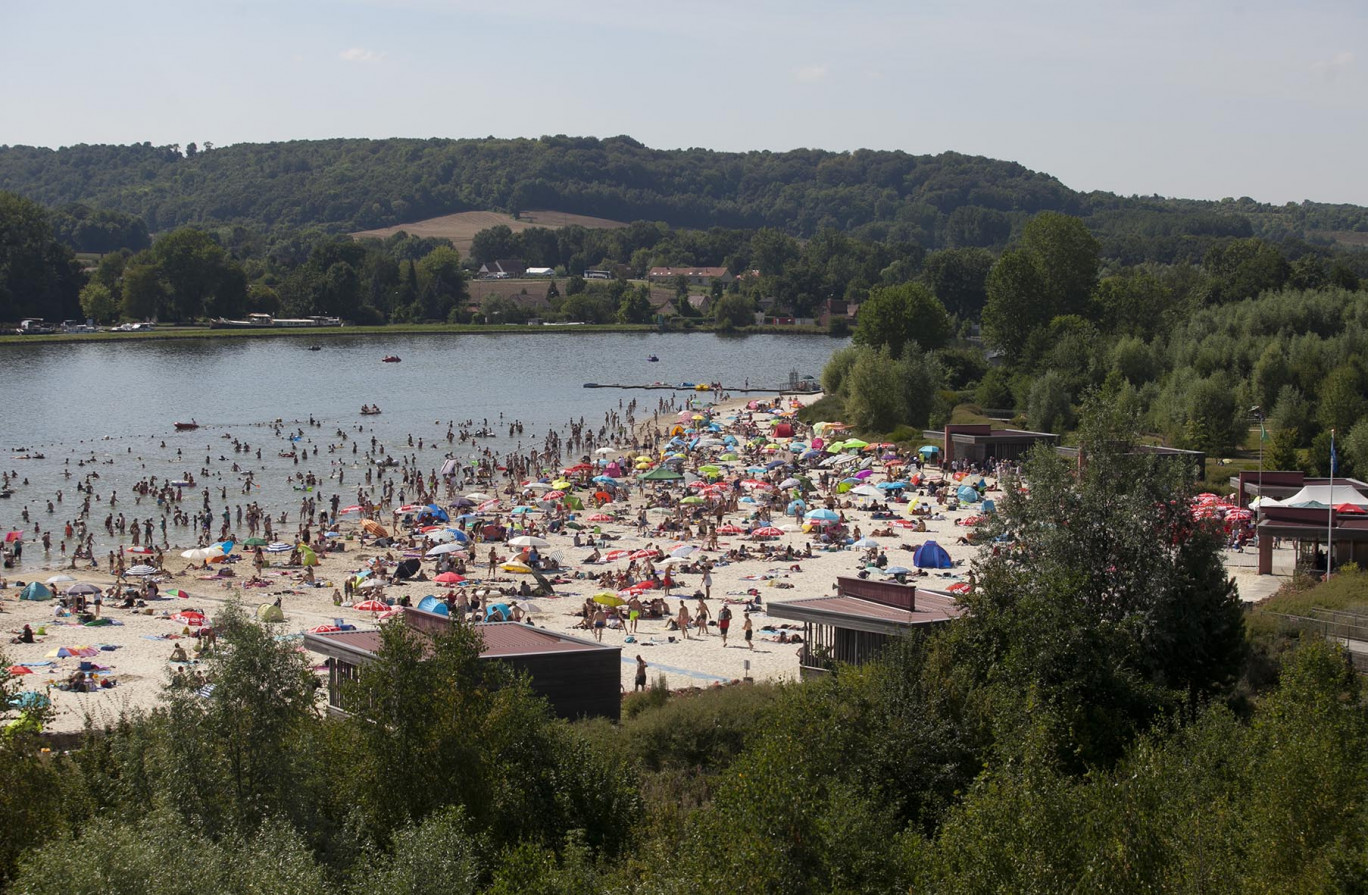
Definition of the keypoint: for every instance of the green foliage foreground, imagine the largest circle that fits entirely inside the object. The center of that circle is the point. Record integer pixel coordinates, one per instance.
(1077, 732)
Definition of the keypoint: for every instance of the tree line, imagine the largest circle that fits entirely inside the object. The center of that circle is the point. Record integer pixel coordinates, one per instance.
(1098, 720)
(941, 201)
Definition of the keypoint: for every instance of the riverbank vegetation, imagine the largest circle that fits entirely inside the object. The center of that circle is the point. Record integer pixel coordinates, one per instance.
(1097, 722)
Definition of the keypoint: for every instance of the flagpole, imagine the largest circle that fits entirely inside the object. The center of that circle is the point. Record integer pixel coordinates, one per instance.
(1330, 513)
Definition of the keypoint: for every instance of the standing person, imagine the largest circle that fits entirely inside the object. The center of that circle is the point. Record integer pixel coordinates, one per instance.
(724, 622)
(640, 675)
(600, 622)
(701, 617)
(707, 581)
(634, 611)
(748, 631)
(683, 620)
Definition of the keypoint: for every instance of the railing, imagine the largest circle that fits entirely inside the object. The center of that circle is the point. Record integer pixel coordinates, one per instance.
(1348, 629)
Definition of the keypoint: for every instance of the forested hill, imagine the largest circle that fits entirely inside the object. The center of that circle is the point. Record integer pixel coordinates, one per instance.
(942, 200)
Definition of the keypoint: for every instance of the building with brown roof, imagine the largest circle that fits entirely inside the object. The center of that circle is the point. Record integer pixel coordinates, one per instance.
(864, 616)
(697, 276)
(577, 677)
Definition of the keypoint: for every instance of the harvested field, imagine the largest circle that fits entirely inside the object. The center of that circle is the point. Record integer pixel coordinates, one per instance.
(461, 228)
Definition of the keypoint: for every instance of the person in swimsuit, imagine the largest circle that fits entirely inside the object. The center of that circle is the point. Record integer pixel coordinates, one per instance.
(640, 674)
(749, 632)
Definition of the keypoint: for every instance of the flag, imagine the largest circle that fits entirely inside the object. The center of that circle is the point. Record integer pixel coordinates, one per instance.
(1334, 459)
(1263, 434)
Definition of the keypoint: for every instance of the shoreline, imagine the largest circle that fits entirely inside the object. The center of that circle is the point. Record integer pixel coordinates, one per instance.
(400, 329)
(137, 648)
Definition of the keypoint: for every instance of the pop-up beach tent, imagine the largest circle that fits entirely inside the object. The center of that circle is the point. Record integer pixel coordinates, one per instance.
(931, 556)
(36, 591)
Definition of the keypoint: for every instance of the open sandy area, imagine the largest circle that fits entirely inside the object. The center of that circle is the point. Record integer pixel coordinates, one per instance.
(135, 651)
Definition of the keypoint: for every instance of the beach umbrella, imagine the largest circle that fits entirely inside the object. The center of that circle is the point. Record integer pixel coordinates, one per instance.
(729, 529)
(891, 486)
(59, 579)
(371, 606)
(324, 629)
(449, 578)
(278, 547)
(599, 517)
(768, 531)
(61, 652)
(370, 584)
(896, 570)
(865, 543)
(867, 491)
(605, 451)
(609, 600)
(529, 541)
(694, 499)
(822, 515)
(255, 542)
(141, 571)
(443, 549)
(375, 528)
(683, 550)
(536, 486)
(82, 588)
(477, 496)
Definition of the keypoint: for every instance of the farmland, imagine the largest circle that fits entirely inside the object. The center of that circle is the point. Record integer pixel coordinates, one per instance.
(461, 227)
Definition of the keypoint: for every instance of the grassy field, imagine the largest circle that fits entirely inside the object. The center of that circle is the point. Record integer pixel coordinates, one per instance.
(461, 228)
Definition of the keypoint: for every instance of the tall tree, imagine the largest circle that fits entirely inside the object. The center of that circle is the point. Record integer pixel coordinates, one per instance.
(895, 316)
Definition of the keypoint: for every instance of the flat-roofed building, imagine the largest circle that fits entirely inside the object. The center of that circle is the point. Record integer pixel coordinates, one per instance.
(864, 616)
(578, 677)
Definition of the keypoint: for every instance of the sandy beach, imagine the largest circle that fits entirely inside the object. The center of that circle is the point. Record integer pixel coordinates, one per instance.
(135, 651)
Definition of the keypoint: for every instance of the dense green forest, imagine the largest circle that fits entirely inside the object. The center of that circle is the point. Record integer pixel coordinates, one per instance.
(936, 201)
(1101, 720)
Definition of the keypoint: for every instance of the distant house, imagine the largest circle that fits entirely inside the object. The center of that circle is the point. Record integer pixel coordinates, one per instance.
(696, 276)
(836, 309)
(703, 304)
(503, 269)
(662, 304)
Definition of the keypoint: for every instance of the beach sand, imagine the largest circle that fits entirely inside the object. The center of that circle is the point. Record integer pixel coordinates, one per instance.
(144, 642)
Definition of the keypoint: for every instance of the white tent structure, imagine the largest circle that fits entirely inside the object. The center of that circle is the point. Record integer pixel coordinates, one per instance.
(1322, 497)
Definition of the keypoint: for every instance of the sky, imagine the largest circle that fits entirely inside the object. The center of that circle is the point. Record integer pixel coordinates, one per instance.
(1198, 99)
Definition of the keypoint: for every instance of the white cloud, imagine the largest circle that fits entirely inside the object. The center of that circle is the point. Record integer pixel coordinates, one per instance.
(810, 74)
(358, 54)
(1330, 68)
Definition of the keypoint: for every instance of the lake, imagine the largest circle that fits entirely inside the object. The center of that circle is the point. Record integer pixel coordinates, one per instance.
(110, 406)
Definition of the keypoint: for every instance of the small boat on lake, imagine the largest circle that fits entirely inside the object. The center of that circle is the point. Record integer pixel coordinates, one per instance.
(391, 359)
(652, 358)
(315, 347)
(185, 427)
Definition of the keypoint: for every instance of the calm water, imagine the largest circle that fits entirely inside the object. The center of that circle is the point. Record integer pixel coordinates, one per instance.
(103, 402)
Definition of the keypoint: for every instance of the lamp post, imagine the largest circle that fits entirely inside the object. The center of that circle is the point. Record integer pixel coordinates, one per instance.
(1259, 415)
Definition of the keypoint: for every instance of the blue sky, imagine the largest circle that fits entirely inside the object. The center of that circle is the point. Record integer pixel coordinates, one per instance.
(1196, 99)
